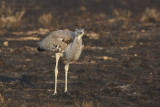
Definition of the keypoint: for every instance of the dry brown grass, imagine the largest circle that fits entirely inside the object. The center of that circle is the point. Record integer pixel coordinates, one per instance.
(3, 102)
(9, 17)
(46, 19)
(92, 35)
(83, 104)
(122, 15)
(124, 39)
(22, 39)
(150, 15)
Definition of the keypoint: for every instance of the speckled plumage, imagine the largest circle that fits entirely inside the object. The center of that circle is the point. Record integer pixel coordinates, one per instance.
(57, 41)
(63, 43)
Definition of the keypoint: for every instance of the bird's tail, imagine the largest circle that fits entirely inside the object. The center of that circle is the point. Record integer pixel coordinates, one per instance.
(40, 49)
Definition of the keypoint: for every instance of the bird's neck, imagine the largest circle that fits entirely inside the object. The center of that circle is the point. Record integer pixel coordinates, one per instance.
(79, 36)
(76, 42)
(74, 50)
(78, 39)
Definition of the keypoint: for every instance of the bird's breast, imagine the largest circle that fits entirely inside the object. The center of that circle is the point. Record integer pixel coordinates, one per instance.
(73, 50)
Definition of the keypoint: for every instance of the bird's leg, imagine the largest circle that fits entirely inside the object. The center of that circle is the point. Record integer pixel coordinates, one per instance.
(66, 72)
(56, 71)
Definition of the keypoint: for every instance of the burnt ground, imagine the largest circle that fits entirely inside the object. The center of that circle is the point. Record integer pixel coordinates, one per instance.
(119, 66)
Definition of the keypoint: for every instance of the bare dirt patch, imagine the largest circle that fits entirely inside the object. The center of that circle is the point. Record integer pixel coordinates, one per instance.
(119, 66)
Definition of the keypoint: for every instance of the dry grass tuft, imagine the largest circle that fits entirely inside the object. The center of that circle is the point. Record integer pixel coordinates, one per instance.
(87, 104)
(93, 35)
(3, 102)
(124, 38)
(150, 15)
(125, 41)
(10, 18)
(23, 39)
(46, 19)
(83, 104)
(122, 14)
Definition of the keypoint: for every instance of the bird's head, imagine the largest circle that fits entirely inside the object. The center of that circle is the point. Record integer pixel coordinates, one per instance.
(79, 33)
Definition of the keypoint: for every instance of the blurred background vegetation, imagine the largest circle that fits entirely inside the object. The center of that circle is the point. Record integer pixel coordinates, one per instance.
(61, 14)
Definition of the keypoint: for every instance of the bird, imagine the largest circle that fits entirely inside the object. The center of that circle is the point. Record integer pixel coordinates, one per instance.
(64, 43)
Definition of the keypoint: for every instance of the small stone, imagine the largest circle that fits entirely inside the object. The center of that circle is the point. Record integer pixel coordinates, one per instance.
(105, 58)
(143, 31)
(28, 60)
(141, 43)
(83, 8)
(135, 54)
(5, 43)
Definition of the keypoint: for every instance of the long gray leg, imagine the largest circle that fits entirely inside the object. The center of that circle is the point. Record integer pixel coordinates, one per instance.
(58, 55)
(66, 72)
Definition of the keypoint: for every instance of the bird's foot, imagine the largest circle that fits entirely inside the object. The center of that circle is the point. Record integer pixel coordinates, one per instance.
(66, 92)
(55, 93)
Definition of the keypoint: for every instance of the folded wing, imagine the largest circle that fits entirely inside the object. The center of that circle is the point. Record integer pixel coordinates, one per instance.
(56, 41)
